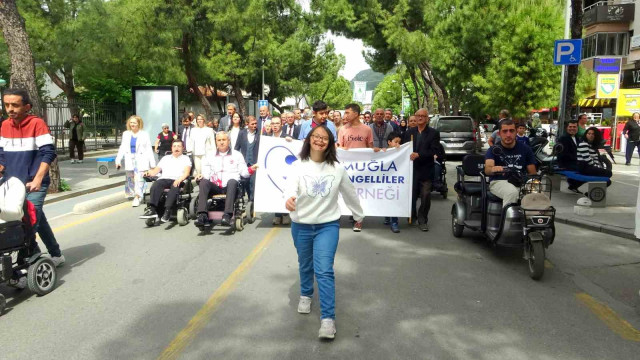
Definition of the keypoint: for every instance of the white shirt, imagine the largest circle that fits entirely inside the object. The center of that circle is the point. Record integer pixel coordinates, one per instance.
(251, 136)
(233, 136)
(12, 194)
(199, 138)
(173, 167)
(219, 167)
(316, 187)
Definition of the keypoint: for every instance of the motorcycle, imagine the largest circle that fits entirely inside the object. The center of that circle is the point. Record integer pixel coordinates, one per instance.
(528, 224)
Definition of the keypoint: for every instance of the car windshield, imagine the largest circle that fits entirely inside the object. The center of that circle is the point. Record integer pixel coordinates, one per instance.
(454, 125)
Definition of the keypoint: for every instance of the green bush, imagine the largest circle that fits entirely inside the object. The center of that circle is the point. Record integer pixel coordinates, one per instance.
(64, 186)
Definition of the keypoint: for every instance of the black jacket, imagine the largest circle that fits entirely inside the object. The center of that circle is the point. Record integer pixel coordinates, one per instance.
(242, 145)
(633, 129)
(568, 157)
(296, 130)
(426, 146)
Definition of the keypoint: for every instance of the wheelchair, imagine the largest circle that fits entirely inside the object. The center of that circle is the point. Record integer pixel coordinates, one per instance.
(215, 210)
(19, 256)
(180, 212)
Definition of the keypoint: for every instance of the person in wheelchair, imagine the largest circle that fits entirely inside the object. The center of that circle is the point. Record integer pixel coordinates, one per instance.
(221, 172)
(515, 155)
(174, 170)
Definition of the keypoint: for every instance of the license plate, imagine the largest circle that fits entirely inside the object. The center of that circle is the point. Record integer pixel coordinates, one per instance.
(453, 145)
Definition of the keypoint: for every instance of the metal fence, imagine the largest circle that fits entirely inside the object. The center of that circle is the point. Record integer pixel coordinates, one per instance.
(104, 123)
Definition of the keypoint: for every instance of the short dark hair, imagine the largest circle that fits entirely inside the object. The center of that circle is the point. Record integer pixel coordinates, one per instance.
(319, 105)
(330, 156)
(177, 140)
(75, 115)
(570, 122)
(521, 125)
(19, 92)
(354, 107)
(388, 109)
(505, 122)
(393, 135)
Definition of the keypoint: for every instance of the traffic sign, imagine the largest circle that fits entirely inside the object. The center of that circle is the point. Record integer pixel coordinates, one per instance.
(262, 103)
(567, 52)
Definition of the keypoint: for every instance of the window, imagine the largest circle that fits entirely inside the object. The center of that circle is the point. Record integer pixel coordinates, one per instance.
(605, 44)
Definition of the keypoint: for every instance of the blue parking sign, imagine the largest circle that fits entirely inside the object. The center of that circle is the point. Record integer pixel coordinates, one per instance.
(567, 52)
(262, 103)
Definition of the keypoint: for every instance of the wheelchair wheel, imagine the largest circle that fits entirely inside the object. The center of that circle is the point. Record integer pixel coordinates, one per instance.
(42, 276)
(239, 224)
(250, 217)
(193, 208)
(150, 222)
(182, 216)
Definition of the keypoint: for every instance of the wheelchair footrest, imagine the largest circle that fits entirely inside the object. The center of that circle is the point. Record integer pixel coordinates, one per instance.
(6, 270)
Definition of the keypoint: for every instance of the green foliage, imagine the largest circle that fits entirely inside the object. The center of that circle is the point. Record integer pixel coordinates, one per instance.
(586, 83)
(388, 94)
(64, 185)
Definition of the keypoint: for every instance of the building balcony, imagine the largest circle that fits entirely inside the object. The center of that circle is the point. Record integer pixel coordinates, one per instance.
(608, 12)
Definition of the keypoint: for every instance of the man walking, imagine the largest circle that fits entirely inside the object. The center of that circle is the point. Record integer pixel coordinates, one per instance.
(320, 114)
(425, 148)
(290, 128)
(264, 117)
(225, 121)
(26, 151)
(381, 129)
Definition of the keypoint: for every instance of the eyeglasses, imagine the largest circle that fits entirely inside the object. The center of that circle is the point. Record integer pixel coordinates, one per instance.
(320, 138)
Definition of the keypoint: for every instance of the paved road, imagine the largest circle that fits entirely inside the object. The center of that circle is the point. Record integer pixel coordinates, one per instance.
(130, 292)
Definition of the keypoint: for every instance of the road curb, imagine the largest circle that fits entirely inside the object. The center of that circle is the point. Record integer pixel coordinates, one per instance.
(100, 203)
(605, 229)
(72, 194)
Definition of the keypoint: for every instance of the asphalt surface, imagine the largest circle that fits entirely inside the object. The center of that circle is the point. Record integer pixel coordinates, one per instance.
(131, 292)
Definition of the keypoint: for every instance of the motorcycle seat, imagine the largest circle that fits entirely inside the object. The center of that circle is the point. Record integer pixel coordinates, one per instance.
(469, 188)
(491, 197)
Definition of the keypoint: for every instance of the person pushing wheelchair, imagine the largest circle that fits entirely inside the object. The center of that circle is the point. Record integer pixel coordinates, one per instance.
(221, 172)
(174, 170)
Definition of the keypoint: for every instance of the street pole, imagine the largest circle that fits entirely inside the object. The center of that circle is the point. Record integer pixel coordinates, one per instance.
(563, 80)
(262, 79)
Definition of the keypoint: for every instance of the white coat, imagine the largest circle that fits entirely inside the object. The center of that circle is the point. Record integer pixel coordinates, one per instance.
(144, 153)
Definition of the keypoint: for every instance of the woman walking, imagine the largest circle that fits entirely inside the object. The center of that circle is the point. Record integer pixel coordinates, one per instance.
(138, 157)
(237, 124)
(76, 138)
(202, 141)
(589, 160)
(312, 199)
(163, 141)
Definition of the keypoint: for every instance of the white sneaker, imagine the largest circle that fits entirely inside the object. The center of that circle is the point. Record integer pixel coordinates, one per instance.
(304, 305)
(20, 283)
(73, 161)
(79, 161)
(327, 329)
(58, 260)
(136, 202)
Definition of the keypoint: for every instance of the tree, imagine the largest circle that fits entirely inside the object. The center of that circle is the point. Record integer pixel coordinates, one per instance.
(388, 94)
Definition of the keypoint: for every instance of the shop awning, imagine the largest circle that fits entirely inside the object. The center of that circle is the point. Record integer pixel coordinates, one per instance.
(591, 103)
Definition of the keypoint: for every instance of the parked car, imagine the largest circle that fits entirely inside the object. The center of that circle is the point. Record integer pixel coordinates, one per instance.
(458, 134)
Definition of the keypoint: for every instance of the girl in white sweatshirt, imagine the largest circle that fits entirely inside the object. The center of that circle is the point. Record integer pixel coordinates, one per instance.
(312, 198)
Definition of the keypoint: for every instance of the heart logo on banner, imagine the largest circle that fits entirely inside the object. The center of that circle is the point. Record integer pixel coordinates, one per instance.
(277, 160)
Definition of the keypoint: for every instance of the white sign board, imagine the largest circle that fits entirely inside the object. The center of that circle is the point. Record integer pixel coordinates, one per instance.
(359, 91)
(383, 180)
(156, 105)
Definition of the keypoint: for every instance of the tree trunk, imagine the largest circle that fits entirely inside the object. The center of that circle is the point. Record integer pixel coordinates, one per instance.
(278, 107)
(572, 71)
(23, 69)
(67, 86)
(427, 75)
(416, 100)
(237, 93)
(191, 77)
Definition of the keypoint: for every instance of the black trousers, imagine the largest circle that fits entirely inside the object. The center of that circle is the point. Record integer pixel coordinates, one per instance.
(250, 185)
(158, 188)
(207, 189)
(630, 147)
(422, 190)
(596, 171)
(76, 144)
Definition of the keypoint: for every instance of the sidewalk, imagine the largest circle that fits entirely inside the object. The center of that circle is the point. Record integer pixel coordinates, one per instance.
(84, 178)
(618, 218)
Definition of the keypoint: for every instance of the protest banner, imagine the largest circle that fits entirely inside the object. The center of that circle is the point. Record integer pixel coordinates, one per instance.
(382, 180)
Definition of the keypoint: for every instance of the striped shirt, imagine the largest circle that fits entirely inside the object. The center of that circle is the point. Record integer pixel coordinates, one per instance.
(588, 155)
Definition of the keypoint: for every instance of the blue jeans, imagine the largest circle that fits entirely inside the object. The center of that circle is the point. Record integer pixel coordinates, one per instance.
(42, 225)
(316, 245)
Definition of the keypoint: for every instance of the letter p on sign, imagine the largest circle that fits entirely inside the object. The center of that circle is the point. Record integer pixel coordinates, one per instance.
(567, 52)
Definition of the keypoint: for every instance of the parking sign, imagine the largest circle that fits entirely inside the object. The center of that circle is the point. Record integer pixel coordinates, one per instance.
(262, 103)
(567, 52)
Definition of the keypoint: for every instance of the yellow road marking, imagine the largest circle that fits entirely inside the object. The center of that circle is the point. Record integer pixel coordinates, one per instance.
(92, 217)
(548, 264)
(200, 319)
(610, 318)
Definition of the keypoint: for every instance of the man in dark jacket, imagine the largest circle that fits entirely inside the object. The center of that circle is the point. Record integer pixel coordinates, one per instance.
(568, 157)
(290, 128)
(631, 132)
(225, 121)
(425, 147)
(248, 143)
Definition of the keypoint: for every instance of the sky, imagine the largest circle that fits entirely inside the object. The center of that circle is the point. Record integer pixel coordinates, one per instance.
(351, 49)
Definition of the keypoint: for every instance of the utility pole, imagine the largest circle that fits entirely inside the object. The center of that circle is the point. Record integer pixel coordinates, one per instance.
(262, 98)
(563, 80)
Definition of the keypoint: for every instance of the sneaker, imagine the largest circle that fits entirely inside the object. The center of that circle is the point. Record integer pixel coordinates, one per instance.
(286, 220)
(79, 161)
(226, 220)
(387, 221)
(202, 220)
(395, 228)
(277, 220)
(327, 329)
(73, 161)
(304, 305)
(20, 283)
(424, 227)
(574, 190)
(166, 216)
(357, 226)
(149, 214)
(136, 202)
(58, 260)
